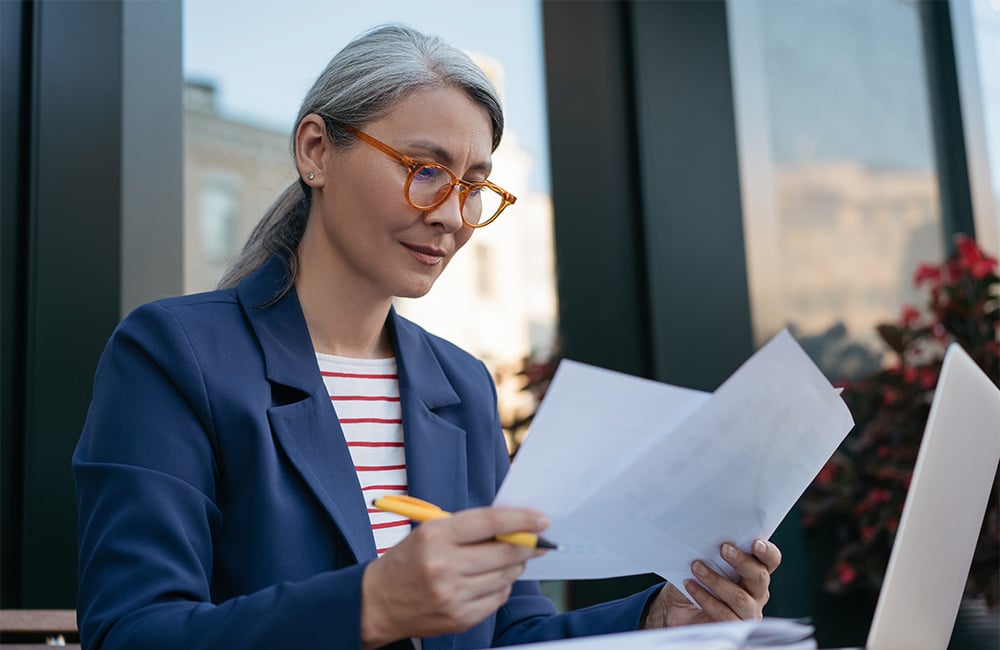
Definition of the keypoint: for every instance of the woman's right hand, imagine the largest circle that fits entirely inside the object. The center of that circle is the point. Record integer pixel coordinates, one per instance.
(445, 576)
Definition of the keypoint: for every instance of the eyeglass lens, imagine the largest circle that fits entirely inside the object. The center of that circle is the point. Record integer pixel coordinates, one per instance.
(430, 184)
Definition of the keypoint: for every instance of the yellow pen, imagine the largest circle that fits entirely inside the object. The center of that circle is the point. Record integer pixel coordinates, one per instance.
(420, 510)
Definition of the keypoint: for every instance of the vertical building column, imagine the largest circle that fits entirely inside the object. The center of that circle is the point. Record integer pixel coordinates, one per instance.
(97, 218)
(648, 224)
(600, 265)
(72, 272)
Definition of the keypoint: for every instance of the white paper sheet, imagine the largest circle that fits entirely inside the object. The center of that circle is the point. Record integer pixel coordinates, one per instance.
(591, 421)
(638, 476)
(768, 633)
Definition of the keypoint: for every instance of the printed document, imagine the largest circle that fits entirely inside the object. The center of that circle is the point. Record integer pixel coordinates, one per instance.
(778, 633)
(638, 476)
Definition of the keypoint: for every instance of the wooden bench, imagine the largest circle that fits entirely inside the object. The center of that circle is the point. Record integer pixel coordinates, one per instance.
(21, 629)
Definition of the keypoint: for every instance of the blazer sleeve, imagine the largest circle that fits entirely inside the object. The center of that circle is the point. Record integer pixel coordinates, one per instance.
(145, 472)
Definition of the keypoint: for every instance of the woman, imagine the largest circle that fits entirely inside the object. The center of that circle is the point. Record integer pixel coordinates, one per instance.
(224, 503)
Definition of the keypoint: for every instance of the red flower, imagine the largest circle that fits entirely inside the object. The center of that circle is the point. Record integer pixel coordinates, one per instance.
(846, 573)
(910, 374)
(867, 532)
(982, 268)
(955, 268)
(966, 247)
(927, 273)
(971, 258)
(827, 473)
(910, 315)
(881, 496)
(927, 378)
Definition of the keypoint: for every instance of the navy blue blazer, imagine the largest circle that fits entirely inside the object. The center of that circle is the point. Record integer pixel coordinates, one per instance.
(218, 503)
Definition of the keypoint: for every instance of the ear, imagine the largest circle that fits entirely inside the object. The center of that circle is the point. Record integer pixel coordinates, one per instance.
(311, 145)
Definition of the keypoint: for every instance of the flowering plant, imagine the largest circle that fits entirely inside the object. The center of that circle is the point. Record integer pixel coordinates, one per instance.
(859, 494)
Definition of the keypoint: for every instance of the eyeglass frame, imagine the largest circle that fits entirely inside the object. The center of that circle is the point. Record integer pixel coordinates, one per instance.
(413, 164)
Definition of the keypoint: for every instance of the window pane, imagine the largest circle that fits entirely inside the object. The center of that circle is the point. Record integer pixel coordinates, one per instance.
(838, 171)
(986, 35)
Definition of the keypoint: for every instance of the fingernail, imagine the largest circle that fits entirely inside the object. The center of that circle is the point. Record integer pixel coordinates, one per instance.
(760, 546)
(729, 551)
(699, 569)
(542, 523)
(691, 586)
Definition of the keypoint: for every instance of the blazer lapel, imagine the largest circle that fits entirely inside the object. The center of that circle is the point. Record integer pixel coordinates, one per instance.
(304, 423)
(436, 460)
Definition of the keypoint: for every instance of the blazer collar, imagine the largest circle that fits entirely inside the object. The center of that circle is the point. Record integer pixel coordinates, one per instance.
(420, 371)
(280, 328)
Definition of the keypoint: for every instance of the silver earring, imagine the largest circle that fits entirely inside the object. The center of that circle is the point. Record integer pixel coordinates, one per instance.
(311, 176)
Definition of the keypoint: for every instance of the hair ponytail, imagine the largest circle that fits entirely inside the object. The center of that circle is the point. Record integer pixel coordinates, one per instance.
(279, 232)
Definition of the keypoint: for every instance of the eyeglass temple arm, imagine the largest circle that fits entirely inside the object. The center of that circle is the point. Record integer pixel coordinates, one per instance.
(381, 146)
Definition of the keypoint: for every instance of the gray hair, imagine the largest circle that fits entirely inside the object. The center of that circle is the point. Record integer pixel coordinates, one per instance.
(361, 84)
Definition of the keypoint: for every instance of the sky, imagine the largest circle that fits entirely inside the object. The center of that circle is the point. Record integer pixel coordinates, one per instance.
(264, 55)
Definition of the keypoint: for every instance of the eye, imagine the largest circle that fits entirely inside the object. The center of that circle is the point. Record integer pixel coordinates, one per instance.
(428, 174)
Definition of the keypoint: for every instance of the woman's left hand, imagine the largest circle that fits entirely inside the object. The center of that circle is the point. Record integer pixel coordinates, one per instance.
(727, 600)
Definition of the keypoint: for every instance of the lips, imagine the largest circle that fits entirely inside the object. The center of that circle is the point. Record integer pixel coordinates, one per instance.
(426, 254)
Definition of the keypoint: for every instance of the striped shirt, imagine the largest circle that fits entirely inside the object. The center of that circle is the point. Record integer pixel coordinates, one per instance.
(365, 395)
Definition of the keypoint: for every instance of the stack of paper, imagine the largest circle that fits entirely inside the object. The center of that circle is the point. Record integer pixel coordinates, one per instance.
(643, 477)
(768, 633)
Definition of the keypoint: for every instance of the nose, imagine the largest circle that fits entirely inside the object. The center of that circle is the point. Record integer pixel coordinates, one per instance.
(449, 213)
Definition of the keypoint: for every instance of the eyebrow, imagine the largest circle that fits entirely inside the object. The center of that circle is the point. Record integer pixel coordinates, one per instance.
(441, 154)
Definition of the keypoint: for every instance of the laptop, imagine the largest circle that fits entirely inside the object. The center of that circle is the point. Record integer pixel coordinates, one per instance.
(943, 513)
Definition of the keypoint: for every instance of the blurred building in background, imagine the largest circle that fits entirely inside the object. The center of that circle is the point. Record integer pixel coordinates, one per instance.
(232, 171)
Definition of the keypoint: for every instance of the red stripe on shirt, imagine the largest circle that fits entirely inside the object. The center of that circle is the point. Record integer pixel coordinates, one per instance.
(370, 421)
(391, 524)
(365, 443)
(364, 398)
(327, 373)
(384, 487)
(378, 468)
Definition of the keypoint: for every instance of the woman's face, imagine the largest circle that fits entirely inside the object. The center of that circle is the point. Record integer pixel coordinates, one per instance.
(374, 238)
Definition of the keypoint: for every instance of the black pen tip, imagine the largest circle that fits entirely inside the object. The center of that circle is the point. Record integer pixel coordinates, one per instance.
(544, 543)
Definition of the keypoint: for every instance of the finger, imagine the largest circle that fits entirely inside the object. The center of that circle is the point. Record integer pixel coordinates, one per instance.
(475, 609)
(715, 608)
(768, 553)
(481, 524)
(736, 597)
(488, 557)
(436, 538)
(483, 585)
(754, 574)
